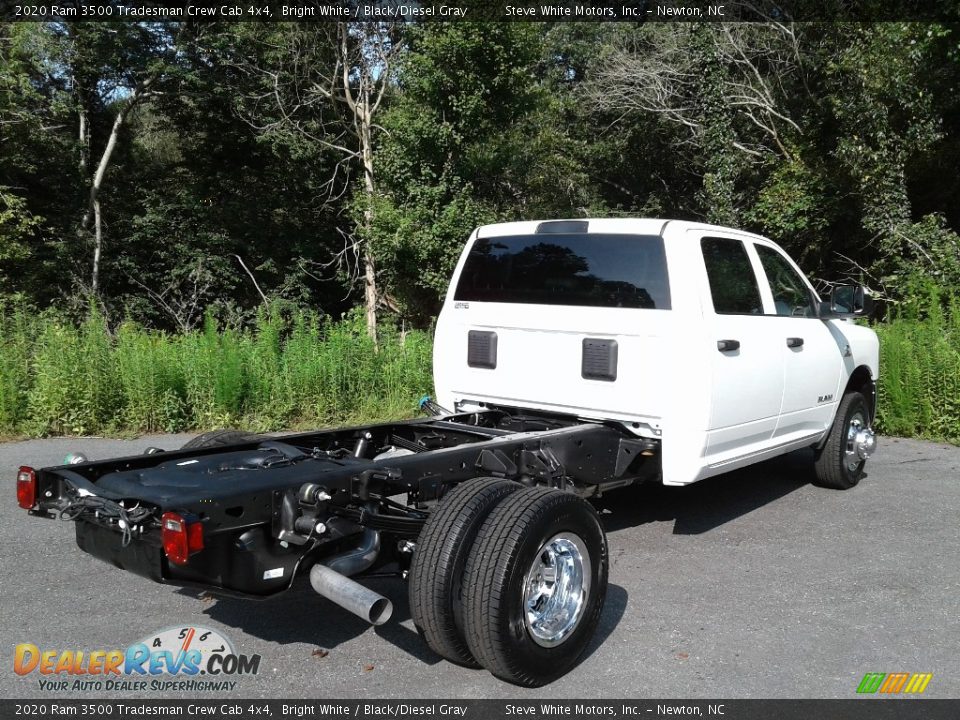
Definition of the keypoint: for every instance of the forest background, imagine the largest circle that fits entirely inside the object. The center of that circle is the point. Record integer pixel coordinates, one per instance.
(253, 225)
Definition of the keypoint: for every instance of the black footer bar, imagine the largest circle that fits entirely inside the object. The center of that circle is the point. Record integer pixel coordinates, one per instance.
(863, 708)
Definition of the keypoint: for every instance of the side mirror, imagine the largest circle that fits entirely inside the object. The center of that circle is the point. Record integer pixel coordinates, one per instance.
(850, 301)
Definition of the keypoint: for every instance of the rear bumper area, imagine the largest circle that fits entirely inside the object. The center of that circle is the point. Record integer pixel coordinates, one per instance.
(248, 567)
(140, 556)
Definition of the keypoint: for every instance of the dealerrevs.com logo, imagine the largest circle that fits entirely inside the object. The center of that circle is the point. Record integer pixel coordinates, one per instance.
(179, 658)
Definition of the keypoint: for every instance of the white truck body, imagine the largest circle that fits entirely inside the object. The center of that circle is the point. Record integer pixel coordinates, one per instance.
(550, 297)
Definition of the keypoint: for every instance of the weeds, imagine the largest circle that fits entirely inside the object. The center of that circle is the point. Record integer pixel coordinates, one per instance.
(919, 389)
(294, 369)
(298, 369)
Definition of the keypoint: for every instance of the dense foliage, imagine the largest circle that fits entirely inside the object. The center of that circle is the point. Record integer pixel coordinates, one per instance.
(168, 173)
(296, 370)
(285, 369)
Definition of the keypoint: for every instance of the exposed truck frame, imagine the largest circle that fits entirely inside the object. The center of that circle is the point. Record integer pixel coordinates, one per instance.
(338, 503)
(484, 508)
(323, 487)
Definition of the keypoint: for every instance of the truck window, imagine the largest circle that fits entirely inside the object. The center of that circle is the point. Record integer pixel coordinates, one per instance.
(733, 284)
(586, 269)
(791, 296)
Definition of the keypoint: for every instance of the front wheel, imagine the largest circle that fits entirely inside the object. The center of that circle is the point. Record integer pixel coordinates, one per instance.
(839, 463)
(534, 585)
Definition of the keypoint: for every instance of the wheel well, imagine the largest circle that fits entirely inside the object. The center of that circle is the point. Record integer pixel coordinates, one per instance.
(862, 381)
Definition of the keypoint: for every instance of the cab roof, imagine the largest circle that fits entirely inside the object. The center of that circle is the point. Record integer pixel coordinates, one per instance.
(631, 226)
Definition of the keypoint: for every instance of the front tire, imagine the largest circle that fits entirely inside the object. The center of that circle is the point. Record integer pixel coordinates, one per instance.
(838, 465)
(534, 586)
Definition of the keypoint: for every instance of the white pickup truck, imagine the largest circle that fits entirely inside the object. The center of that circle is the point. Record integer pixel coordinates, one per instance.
(708, 339)
(576, 357)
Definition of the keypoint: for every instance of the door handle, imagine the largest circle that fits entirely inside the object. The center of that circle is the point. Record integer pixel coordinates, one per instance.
(728, 345)
(794, 342)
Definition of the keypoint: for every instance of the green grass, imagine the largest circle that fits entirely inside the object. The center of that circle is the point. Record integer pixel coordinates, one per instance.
(299, 370)
(919, 389)
(288, 370)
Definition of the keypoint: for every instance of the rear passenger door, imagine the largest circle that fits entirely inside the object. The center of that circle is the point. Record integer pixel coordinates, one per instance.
(812, 358)
(746, 359)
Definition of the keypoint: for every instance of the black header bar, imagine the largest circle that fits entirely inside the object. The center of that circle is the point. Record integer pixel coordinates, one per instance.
(637, 11)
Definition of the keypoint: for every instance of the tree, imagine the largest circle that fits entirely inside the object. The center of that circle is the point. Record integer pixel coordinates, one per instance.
(723, 84)
(472, 135)
(111, 69)
(332, 101)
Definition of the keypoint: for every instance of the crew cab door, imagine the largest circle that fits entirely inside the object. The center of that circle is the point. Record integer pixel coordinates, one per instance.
(813, 361)
(746, 359)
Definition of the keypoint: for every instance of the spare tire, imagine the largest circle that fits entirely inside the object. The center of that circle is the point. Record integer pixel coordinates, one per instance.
(217, 438)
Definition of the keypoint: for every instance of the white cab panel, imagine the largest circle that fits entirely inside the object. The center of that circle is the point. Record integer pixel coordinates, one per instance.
(713, 409)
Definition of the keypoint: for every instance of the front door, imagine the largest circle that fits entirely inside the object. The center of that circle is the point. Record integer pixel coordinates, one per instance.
(813, 359)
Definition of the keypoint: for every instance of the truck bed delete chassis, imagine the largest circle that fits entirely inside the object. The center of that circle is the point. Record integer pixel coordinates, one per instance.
(354, 499)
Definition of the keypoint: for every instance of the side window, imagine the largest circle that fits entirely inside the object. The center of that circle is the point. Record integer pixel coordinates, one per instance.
(733, 284)
(791, 296)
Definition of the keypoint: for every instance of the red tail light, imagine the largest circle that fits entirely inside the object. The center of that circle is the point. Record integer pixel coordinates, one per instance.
(180, 538)
(26, 487)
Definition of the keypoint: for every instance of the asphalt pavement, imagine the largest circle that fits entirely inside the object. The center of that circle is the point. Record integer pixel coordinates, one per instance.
(752, 584)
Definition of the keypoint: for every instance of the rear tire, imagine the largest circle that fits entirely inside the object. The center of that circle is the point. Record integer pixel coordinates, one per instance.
(218, 438)
(534, 586)
(837, 466)
(436, 572)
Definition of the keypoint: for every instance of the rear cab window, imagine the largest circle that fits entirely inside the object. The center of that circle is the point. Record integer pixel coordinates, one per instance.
(579, 269)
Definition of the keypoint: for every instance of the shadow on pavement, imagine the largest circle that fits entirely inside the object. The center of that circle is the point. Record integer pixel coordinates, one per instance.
(707, 504)
(302, 616)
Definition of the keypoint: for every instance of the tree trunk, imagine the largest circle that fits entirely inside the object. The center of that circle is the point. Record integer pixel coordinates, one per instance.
(97, 247)
(365, 120)
(84, 140)
(96, 183)
(370, 294)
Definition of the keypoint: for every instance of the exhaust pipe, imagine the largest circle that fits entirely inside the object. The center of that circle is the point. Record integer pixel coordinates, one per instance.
(330, 580)
(361, 601)
(356, 560)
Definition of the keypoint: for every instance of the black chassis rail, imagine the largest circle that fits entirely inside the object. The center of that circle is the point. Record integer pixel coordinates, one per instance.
(263, 527)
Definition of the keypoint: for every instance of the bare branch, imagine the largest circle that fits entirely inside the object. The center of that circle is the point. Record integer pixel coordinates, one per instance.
(266, 302)
(330, 99)
(181, 299)
(664, 77)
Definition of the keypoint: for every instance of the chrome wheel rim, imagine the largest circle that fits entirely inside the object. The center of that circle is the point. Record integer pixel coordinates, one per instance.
(556, 589)
(851, 457)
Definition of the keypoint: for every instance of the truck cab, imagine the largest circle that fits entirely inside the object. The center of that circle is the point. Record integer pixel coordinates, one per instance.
(708, 339)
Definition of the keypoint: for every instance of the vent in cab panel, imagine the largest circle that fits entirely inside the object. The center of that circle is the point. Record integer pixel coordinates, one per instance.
(599, 361)
(482, 349)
